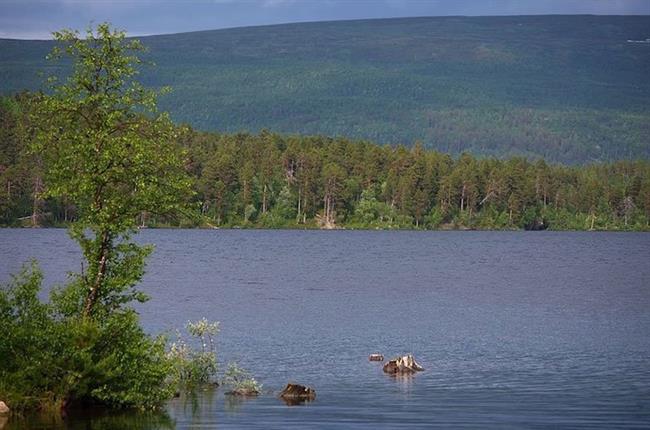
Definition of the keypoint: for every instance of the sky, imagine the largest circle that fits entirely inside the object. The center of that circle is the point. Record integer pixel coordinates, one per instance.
(36, 19)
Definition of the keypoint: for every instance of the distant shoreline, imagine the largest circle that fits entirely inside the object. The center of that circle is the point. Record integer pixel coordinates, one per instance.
(550, 230)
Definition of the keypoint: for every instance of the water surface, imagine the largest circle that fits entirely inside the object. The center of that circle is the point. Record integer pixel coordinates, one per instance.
(515, 329)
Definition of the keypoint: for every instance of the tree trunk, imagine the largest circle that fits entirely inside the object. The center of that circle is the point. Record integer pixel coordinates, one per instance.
(327, 209)
(462, 199)
(38, 188)
(299, 208)
(93, 294)
(264, 199)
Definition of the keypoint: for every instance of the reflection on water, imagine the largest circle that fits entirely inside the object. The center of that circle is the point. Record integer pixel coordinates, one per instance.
(235, 403)
(93, 420)
(296, 402)
(404, 381)
(514, 329)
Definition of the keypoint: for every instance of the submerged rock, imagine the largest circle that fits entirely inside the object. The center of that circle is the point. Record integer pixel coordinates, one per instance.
(4, 409)
(376, 357)
(402, 365)
(244, 392)
(295, 394)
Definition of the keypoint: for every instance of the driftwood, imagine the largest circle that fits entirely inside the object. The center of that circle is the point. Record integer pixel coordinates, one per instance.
(295, 394)
(402, 365)
(376, 357)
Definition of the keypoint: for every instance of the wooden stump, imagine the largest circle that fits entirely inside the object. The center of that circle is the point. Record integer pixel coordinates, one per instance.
(402, 366)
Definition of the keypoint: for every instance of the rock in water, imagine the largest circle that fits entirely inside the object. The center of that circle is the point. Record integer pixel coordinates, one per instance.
(376, 357)
(294, 394)
(4, 409)
(402, 365)
(244, 392)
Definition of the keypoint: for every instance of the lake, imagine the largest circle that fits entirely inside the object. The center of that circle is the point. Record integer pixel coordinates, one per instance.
(514, 329)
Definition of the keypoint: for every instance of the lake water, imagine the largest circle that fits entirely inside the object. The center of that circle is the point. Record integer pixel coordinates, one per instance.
(515, 329)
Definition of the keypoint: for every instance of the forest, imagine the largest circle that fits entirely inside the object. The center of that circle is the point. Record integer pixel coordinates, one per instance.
(532, 86)
(270, 180)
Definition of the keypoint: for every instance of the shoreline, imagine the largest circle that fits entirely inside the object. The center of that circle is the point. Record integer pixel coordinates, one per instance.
(254, 228)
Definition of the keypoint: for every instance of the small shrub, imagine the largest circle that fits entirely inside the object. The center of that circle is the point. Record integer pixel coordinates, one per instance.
(195, 367)
(50, 359)
(240, 381)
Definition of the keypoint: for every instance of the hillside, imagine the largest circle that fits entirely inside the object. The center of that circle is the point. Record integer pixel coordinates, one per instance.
(567, 88)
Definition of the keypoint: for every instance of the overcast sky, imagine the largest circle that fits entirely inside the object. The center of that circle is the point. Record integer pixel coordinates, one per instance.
(36, 19)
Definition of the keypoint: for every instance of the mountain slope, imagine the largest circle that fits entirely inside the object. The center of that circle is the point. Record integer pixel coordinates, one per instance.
(567, 88)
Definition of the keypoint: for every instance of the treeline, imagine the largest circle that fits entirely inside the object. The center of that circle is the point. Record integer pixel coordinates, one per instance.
(268, 180)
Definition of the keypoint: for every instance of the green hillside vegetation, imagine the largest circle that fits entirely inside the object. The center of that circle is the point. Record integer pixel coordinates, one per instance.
(270, 180)
(568, 89)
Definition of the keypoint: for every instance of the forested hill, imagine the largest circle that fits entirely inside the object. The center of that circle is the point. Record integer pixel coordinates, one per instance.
(571, 89)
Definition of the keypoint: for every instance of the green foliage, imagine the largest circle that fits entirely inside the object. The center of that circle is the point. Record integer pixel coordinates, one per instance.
(435, 218)
(493, 86)
(23, 316)
(120, 365)
(282, 213)
(101, 146)
(102, 152)
(249, 213)
(50, 358)
(368, 209)
(194, 367)
(365, 185)
(240, 381)
(108, 151)
(369, 186)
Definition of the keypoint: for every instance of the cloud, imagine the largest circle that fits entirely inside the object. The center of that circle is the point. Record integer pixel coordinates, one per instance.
(26, 35)
(276, 3)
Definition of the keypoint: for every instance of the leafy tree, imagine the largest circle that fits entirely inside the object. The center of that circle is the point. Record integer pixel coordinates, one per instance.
(110, 152)
(106, 150)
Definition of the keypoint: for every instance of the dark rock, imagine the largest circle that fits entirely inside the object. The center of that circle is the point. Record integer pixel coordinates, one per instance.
(376, 357)
(402, 365)
(295, 394)
(244, 392)
(536, 225)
